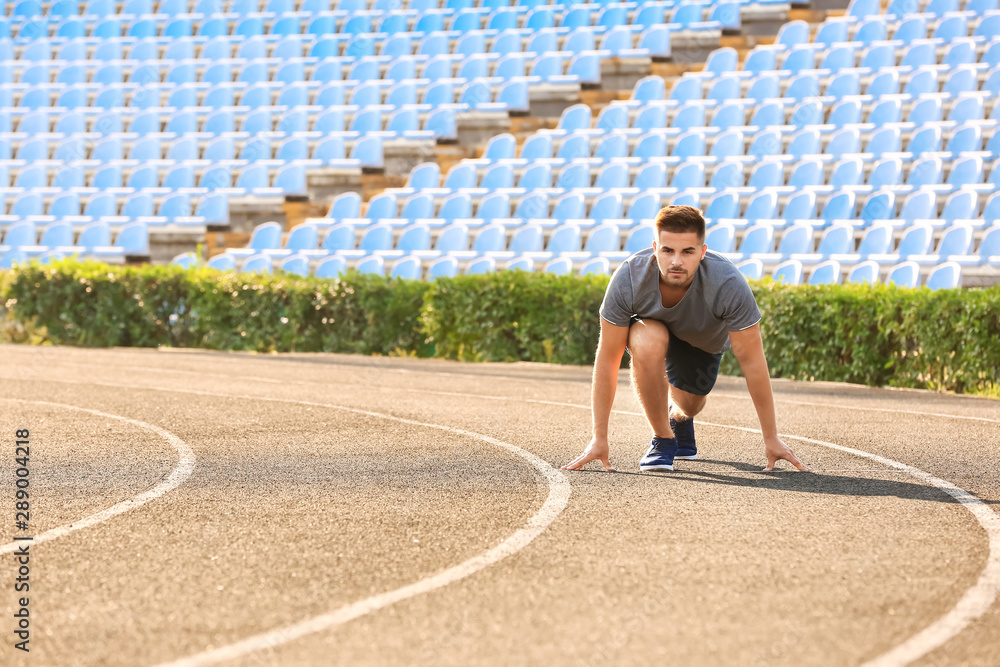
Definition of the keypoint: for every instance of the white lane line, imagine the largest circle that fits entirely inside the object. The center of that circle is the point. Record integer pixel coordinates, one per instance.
(181, 472)
(718, 394)
(555, 503)
(866, 409)
(973, 604)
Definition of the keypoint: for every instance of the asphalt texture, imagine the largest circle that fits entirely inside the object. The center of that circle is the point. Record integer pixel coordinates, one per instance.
(296, 507)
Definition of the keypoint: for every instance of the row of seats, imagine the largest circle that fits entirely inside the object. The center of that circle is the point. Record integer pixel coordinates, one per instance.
(914, 83)
(320, 60)
(933, 141)
(173, 206)
(799, 242)
(865, 9)
(364, 152)
(688, 14)
(55, 77)
(543, 153)
(978, 21)
(100, 51)
(459, 94)
(68, 8)
(965, 172)
(21, 241)
(287, 179)
(791, 203)
(412, 267)
(408, 267)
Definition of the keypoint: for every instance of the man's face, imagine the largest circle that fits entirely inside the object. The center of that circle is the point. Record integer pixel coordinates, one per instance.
(678, 256)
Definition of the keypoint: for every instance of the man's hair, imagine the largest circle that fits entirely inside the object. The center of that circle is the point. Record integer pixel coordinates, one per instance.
(680, 220)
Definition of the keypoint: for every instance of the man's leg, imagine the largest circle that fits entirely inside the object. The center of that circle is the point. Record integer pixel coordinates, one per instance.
(647, 345)
(692, 373)
(684, 405)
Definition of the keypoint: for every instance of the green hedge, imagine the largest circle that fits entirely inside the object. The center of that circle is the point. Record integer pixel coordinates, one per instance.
(945, 340)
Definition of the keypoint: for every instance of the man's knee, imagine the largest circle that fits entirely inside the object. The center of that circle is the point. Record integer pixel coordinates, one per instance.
(685, 404)
(647, 341)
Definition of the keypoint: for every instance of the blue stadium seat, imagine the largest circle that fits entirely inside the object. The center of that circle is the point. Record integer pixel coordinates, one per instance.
(640, 238)
(560, 266)
(340, 237)
(758, 239)
(966, 171)
(885, 112)
(498, 176)
(520, 264)
(596, 266)
(20, 234)
(569, 207)
(800, 206)
(527, 238)
(257, 264)
(407, 268)
(916, 240)
(651, 176)
(846, 173)
(644, 207)
(866, 272)
(961, 205)
(789, 271)
(752, 269)
(535, 177)
(947, 275)
(721, 237)
(727, 175)
(723, 205)
(376, 237)
(904, 274)
(612, 176)
(445, 267)
(490, 239)
(481, 266)
(762, 206)
(825, 273)
(223, 262)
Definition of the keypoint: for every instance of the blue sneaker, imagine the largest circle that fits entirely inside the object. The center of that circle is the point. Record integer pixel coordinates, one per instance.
(660, 455)
(684, 432)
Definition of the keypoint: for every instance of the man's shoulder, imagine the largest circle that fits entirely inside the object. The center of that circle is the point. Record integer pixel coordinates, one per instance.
(637, 263)
(718, 268)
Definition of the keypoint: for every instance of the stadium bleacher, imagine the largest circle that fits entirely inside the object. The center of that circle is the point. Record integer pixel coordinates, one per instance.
(860, 148)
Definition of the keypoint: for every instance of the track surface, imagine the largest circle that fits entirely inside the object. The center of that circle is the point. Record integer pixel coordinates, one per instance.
(295, 508)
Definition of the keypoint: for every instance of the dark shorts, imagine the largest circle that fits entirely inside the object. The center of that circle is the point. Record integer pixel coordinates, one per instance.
(691, 369)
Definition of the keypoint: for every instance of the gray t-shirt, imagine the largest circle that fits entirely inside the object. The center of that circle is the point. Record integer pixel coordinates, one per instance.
(718, 301)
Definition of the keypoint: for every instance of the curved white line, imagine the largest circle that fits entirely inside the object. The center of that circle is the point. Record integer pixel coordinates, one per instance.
(973, 604)
(181, 472)
(555, 502)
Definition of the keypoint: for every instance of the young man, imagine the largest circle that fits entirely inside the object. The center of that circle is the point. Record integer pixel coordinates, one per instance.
(682, 305)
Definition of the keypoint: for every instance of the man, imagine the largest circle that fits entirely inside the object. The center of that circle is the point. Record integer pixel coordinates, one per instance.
(680, 304)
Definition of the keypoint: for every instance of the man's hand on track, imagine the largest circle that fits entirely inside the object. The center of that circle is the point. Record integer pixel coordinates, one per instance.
(776, 449)
(597, 450)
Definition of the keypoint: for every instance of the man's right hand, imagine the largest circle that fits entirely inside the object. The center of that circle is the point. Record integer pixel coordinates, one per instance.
(597, 450)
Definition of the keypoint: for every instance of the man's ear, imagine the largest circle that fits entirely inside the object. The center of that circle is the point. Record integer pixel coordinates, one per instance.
(704, 249)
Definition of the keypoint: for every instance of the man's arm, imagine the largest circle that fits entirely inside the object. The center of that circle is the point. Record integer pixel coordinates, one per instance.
(749, 350)
(610, 349)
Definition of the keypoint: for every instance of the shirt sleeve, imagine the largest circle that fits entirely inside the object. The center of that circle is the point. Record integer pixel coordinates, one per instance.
(736, 305)
(618, 304)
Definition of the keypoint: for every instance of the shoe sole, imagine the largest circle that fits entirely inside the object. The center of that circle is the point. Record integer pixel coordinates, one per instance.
(686, 458)
(656, 468)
